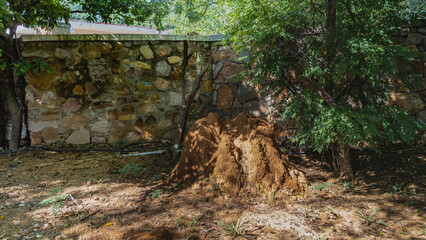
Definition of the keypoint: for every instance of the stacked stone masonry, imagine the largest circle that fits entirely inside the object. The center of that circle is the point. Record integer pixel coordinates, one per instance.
(413, 98)
(108, 91)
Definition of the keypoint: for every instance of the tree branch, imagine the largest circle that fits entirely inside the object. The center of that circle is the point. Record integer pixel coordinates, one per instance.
(6, 36)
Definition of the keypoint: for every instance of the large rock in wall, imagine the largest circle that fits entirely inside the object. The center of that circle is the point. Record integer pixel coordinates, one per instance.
(101, 92)
(230, 96)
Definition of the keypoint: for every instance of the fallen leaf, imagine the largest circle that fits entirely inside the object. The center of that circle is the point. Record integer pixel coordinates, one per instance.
(108, 224)
(1, 217)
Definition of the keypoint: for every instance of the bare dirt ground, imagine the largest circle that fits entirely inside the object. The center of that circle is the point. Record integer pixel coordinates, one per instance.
(92, 195)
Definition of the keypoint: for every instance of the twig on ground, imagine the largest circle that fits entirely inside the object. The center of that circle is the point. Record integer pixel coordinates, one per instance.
(73, 199)
(90, 214)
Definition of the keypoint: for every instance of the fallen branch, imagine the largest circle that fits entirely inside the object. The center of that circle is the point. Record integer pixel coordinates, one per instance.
(90, 214)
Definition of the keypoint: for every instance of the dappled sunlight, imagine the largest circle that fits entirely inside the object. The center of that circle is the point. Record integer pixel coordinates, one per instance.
(108, 205)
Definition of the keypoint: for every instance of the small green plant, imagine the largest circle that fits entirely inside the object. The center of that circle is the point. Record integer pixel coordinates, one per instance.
(120, 142)
(155, 194)
(194, 112)
(237, 229)
(178, 223)
(193, 222)
(347, 186)
(397, 187)
(55, 191)
(368, 218)
(130, 168)
(321, 186)
(206, 179)
(55, 198)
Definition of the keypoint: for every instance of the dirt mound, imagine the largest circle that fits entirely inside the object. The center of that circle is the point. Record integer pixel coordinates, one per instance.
(238, 154)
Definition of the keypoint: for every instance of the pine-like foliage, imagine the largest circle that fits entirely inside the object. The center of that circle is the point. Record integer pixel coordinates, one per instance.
(334, 78)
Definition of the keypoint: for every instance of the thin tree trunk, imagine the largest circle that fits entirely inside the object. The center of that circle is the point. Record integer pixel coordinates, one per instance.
(341, 158)
(183, 116)
(15, 111)
(185, 110)
(187, 102)
(2, 113)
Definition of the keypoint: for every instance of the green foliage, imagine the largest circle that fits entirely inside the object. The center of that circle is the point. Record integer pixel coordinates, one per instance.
(368, 218)
(235, 229)
(345, 72)
(194, 221)
(123, 141)
(156, 194)
(202, 16)
(55, 198)
(178, 223)
(321, 186)
(397, 187)
(21, 67)
(130, 168)
(347, 186)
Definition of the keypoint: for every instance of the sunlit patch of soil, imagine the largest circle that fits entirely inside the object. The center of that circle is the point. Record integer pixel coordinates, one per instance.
(100, 202)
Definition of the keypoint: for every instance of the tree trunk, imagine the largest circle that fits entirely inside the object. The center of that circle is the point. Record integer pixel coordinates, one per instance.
(185, 107)
(342, 160)
(2, 114)
(15, 113)
(13, 108)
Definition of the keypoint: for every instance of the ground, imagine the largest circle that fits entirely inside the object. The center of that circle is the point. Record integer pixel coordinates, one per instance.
(93, 195)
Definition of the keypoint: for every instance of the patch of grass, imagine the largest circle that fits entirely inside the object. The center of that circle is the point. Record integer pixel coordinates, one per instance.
(55, 199)
(178, 222)
(235, 230)
(321, 186)
(120, 142)
(156, 193)
(194, 221)
(130, 168)
(368, 218)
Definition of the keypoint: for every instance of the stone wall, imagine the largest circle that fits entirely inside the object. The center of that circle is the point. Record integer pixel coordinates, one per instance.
(413, 100)
(231, 97)
(110, 88)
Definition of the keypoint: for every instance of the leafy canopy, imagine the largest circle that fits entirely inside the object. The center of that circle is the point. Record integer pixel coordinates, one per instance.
(47, 13)
(334, 80)
(345, 73)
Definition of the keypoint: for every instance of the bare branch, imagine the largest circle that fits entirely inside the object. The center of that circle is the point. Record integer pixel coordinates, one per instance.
(5, 35)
